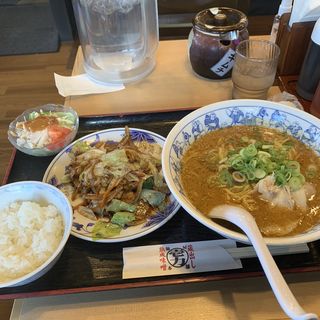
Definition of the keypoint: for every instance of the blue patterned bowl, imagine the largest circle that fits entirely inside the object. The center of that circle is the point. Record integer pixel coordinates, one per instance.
(297, 123)
(44, 194)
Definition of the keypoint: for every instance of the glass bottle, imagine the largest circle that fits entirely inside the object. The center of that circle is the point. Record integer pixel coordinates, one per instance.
(213, 39)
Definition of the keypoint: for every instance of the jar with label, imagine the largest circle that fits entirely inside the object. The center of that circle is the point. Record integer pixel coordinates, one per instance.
(213, 39)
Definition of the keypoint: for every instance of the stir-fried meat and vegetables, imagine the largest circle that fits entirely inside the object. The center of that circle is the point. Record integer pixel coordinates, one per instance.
(118, 183)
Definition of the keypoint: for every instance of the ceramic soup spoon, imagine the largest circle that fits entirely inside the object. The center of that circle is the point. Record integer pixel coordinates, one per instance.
(246, 222)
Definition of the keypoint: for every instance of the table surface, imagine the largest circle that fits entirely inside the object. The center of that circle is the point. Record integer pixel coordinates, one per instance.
(169, 88)
(249, 299)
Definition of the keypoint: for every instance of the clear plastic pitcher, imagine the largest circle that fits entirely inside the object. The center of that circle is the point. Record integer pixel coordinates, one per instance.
(119, 38)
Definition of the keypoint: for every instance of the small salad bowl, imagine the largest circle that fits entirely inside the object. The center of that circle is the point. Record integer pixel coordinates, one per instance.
(45, 130)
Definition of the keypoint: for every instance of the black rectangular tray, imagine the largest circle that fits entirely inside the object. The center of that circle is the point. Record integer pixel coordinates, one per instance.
(87, 266)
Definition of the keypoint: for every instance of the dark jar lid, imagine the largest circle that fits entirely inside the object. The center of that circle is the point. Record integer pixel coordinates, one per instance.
(220, 20)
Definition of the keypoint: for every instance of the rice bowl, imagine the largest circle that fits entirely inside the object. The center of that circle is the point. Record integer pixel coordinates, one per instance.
(33, 233)
(42, 217)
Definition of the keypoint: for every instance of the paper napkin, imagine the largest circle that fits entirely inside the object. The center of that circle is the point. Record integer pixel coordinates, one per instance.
(81, 85)
(178, 258)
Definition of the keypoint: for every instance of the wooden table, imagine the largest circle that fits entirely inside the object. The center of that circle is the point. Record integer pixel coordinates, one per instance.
(247, 299)
(171, 86)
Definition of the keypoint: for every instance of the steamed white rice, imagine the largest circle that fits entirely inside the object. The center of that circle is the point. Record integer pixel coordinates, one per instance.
(29, 234)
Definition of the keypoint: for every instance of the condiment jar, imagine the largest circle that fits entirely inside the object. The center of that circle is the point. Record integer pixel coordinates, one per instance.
(213, 39)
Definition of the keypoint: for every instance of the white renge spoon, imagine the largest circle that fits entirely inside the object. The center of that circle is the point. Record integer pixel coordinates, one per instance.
(246, 222)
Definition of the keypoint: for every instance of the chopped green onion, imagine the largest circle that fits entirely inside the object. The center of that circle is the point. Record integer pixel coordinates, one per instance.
(249, 152)
(259, 159)
(259, 173)
(264, 154)
(280, 179)
(302, 178)
(225, 178)
(252, 163)
(271, 166)
(293, 165)
(237, 163)
(295, 173)
(238, 176)
(288, 175)
(295, 183)
(250, 175)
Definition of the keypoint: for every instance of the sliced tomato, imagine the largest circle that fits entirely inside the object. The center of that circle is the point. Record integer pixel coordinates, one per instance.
(57, 135)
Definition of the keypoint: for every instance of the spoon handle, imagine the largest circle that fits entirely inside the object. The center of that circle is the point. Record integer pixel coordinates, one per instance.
(246, 222)
(279, 286)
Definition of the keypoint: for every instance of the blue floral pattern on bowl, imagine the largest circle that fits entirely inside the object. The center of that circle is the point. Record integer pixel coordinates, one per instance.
(287, 122)
(82, 227)
(297, 123)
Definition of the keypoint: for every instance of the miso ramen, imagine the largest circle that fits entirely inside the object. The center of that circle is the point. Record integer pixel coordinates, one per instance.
(271, 174)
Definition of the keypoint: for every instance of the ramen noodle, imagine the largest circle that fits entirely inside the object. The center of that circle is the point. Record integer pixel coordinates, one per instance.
(269, 173)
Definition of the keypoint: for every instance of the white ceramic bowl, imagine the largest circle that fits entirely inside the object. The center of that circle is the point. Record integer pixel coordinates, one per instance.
(299, 124)
(45, 194)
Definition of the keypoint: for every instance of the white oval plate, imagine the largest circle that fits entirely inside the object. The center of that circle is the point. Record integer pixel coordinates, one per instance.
(82, 226)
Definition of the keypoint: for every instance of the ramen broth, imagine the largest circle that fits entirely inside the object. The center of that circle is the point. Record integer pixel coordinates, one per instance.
(209, 177)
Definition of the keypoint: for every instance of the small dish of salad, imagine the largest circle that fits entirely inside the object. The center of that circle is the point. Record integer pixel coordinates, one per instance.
(45, 130)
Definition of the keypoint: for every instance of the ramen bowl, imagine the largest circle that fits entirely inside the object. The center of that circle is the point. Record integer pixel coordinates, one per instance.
(294, 122)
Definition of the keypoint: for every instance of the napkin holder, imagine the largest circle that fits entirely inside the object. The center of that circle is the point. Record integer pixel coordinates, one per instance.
(293, 42)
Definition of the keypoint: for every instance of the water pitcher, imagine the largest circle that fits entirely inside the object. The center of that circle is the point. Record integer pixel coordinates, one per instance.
(119, 38)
